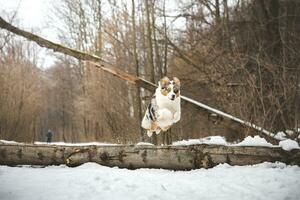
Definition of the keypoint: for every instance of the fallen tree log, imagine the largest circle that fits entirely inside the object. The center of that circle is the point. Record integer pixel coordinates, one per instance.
(144, 156)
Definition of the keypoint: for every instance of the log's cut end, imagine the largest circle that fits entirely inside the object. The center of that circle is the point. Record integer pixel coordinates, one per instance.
(145, 156)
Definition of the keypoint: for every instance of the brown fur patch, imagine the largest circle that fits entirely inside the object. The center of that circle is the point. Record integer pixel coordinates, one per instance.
(164, 92)
(176, 81)
(164, 83)
(177, 84)
(153, 126)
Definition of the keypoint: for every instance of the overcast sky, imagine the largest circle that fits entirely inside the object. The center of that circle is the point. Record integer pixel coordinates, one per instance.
(32, 15)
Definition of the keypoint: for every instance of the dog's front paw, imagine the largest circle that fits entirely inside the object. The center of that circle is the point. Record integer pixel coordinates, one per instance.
(176, 117)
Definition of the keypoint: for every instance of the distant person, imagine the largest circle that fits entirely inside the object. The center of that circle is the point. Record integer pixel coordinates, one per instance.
(49, 136)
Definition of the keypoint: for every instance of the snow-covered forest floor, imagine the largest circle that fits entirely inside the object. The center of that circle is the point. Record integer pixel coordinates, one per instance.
(93, 181)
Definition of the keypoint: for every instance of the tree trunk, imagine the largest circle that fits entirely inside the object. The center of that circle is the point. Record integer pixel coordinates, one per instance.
(150, 44)
(150, 55)
(137, 70)
(156, 48)
(144, 156)
(165, 42)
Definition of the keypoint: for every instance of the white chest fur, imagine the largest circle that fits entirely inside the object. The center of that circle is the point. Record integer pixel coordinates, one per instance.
(168, 110)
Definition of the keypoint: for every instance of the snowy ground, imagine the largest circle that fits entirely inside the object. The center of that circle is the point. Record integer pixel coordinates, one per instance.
(92, 181)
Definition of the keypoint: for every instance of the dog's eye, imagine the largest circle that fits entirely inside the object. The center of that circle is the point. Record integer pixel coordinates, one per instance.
(175, 90)
(166, 88)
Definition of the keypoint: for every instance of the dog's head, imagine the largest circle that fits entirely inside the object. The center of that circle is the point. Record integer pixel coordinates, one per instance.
(170, 88)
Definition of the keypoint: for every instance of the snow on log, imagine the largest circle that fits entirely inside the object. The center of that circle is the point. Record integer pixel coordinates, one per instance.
(144, 156)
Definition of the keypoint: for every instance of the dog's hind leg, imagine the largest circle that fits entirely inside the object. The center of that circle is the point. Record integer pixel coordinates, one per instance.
(149, 133)
(157, 131)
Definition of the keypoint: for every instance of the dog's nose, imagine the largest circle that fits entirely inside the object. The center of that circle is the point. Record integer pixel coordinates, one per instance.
(173, 96)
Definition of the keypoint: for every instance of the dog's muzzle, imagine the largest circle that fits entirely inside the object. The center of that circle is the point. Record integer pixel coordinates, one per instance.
(173, 97)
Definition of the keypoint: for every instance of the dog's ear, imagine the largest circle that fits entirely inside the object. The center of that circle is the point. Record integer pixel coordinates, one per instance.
(164, 81)
(176, 81)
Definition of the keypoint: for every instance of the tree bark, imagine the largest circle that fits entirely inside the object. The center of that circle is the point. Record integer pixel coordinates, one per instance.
(150, 55)
(144, 156)
(165, 69)
(150, 43)
(137, 68)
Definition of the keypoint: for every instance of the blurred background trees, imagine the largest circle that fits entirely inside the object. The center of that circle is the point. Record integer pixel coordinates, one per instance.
(239, 56)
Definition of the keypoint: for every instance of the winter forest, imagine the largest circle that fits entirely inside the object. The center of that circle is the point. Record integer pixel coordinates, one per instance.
(241, 57)
(149, 99)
